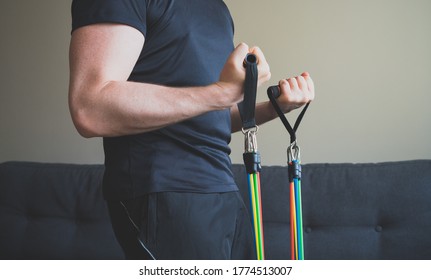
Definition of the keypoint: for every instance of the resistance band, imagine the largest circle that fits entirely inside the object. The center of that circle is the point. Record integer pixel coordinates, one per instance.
(251, 155)
(294, 169)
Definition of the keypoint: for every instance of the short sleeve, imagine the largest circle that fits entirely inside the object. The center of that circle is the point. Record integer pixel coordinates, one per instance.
(129, 12)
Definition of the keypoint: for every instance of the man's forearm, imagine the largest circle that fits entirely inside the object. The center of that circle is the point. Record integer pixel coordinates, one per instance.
(123, 108)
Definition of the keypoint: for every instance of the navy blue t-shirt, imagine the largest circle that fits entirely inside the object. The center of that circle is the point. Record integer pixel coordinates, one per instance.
(187, 43)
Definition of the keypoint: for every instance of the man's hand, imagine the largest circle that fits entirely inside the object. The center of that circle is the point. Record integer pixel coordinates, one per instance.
(295, 92)
(233, 74)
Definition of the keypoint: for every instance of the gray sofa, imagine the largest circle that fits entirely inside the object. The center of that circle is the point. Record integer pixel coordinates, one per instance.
(350, 211)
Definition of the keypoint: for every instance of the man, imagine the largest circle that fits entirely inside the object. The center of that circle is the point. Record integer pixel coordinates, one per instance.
(160, 80)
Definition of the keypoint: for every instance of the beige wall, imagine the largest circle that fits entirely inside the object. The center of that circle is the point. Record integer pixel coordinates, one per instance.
(370, 61)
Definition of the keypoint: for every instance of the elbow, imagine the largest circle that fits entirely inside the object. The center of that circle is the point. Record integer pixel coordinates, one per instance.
(83, 119)
(83, 125)
(86, 132)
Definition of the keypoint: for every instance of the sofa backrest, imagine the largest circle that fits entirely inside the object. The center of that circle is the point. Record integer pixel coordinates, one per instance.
(350, 211)
(54, 211)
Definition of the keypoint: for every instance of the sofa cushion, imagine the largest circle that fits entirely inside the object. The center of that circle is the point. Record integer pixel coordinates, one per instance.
(54, 211)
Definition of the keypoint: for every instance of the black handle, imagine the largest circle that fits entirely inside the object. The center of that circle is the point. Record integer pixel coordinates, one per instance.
(273, 91)
(248, 105)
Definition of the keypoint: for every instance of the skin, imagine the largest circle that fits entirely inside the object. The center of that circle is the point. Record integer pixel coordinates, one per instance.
(103, 103)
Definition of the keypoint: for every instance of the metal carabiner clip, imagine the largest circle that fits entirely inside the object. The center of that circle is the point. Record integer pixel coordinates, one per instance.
(293, 152)
(250, 141)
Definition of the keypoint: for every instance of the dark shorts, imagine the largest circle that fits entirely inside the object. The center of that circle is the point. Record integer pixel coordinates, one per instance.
(174, 225)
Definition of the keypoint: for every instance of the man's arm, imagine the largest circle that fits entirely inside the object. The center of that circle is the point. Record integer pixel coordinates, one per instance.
(295, 92)
(103, 103)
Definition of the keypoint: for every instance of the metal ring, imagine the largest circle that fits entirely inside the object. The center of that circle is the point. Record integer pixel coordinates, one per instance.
(254, 129)
(293, 152)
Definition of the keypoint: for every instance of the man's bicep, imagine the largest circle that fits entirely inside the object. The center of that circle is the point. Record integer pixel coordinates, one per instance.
(101, 53)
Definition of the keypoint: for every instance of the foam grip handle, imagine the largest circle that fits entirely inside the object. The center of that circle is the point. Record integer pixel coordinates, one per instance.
(249, 59)
(273, 91)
